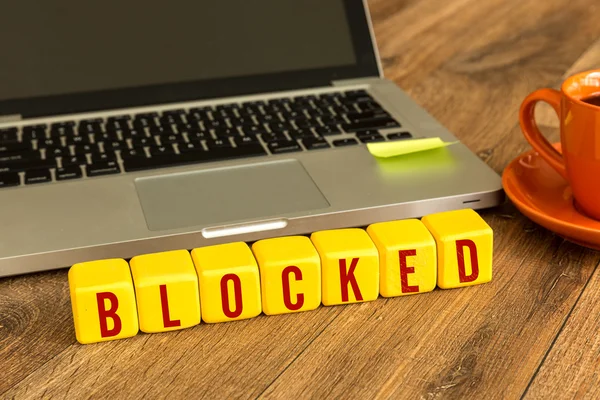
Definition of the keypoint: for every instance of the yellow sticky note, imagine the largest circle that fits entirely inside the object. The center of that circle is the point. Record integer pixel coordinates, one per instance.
(166, 289)
(349, 266)
(407, 257)
(408, 146)
(103, 301)
(290, 274)
(229, 282)
(465, 245)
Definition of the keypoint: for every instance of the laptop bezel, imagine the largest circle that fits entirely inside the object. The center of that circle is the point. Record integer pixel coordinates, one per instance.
(366, 66)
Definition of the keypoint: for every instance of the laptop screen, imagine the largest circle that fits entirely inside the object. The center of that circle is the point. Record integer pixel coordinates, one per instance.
(71, 47)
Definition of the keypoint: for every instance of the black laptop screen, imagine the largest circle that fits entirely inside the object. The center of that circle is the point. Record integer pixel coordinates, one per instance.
(69, 47)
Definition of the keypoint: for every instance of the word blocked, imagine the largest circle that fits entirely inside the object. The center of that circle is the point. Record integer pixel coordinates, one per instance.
(407, 257)
(103, 301)
(290, 273)
(464, 248)
(230, 282)
(227, 282)
(349, 264)
(167, 291)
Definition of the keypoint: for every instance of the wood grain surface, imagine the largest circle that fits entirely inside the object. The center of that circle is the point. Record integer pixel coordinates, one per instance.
(532, 331)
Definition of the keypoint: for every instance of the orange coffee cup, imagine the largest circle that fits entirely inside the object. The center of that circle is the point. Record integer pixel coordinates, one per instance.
(579, 162)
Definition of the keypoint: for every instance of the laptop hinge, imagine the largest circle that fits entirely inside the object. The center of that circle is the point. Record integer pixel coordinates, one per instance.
(10, 118)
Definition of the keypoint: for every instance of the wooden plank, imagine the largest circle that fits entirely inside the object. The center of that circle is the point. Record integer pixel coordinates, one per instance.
(572, 367)
(35, 323)
(238, 359)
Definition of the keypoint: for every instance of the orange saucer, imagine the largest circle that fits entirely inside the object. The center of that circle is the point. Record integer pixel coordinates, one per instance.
(545, 197)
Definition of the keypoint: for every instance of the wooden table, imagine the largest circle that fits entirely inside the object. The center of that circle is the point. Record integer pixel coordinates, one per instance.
(534, 331)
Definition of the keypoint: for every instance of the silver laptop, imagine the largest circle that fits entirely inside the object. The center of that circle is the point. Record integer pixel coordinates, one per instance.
(135, 128)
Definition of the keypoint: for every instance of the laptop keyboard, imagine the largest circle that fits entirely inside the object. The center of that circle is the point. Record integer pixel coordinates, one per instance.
(103, 146)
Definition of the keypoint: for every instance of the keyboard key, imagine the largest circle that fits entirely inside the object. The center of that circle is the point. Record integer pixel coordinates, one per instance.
(315, 143)
(357, 117)
(301, 133)
(280, 126)
(307, 123)
(170, 139)
(199, 135)
(57, 152)
(131, 153)
(77, 159)
(8, 135)
(273, 136)
(226, 132)
(37, 176)
(9, 179)
(328, 130)
(344, 142)
(80, 139)
(103, 136)
(244, 140)
(161, 130)
(142, 141)
(283, 146)
(62, 124)
(241, 121)
(355, 93)
(103, 168)
(198, 115)
(161, 150)
(98, 158)
(217, 143)
(215, 123)
(368, 124)
(192, 146)
(370, 106)
(309, 97)
(68, 172)
(370, 136)
(253, 130)
(58, 132)
(133, 133)
(83, 148)
(8, 158)
(217, 154)
(331, 120)
(115, 145)
(43, 143)
(268, 118)
(399, 135)
(118, 118)
(147, 115)
(14, 147)
(32, 132)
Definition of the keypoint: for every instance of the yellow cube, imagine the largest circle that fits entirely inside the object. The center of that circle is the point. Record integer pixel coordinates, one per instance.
(465, 246)
(349, 266)
(103, 301)
(290, 274)
(229, 282)
(407, 257)
(166, 288)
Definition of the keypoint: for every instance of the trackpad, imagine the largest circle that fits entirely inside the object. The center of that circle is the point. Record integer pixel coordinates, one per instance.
(225, 195)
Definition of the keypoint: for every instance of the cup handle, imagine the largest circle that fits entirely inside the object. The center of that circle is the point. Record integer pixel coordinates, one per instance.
(533, 134)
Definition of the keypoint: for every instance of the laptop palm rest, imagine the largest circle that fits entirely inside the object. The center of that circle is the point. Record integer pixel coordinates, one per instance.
(227, 195)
